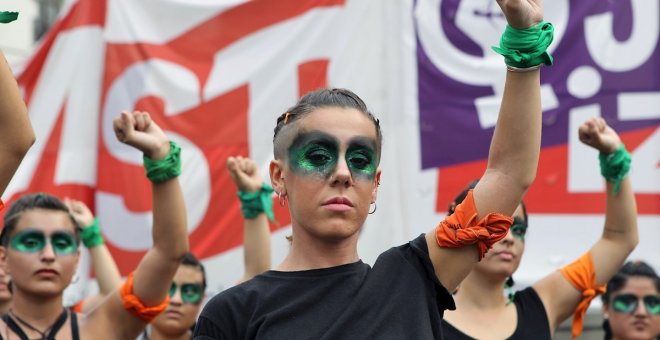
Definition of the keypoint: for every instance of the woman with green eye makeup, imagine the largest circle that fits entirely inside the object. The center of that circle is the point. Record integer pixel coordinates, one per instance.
(186, 296)
(16, 134)
(631, 304)
(485, 311)
(327, 151)
(40, 240)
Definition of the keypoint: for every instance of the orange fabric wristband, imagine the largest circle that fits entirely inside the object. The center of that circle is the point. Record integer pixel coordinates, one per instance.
(462, 228)
(2, 205)
(133, 304)
(582, 275)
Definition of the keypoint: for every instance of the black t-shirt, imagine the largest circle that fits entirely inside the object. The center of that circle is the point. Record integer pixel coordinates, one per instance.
(399, 298)
(532, 319)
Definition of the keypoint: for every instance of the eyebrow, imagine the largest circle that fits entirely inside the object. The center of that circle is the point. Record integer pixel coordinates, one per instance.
(314, 136)
(364, 142)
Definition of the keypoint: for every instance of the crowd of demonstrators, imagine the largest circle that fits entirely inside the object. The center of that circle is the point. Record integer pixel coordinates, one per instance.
(40, 240)
(483, 311)
(327, 150)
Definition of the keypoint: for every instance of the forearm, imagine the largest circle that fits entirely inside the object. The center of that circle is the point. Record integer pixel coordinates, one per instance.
(170, 243)
(16, 134)
(619, 233)
(105, 268)
(256, 246)
(516, 141)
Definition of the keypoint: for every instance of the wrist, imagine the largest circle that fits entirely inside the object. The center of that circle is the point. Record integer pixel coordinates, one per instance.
(160, 152)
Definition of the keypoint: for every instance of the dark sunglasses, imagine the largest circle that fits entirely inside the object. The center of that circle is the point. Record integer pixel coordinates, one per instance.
(32, 241)
(190, 292)
(627, 303)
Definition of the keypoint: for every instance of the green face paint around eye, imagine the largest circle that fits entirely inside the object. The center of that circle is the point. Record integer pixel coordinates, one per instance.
(652, 304)
(32, 241)
(313, 154)
(190, 292)
(361, 161)
(518, 230)
(624, 304)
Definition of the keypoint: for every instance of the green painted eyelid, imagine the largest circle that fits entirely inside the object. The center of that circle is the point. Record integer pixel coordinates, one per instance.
(32, 241)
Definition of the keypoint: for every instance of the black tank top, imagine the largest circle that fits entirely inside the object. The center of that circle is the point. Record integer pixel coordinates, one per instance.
(75, 334)
(532, 319)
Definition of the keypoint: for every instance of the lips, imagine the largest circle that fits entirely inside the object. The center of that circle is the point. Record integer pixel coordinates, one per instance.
(173, 314)
(47, 272)
(505, 255)
(339, 200)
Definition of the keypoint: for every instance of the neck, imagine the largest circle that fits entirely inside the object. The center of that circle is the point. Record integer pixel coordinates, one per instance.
(311, 252)
(4, 306)
(39, 311)
(156, 334)
(481, 291)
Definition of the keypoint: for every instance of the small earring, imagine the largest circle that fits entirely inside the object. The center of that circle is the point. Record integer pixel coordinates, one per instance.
(375, 207)
(76, 278)
(281, 198)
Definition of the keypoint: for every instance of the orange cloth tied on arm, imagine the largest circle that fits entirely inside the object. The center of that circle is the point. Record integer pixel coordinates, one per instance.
(134, 305)
(462, 228)
(582, 275)
(2, 205)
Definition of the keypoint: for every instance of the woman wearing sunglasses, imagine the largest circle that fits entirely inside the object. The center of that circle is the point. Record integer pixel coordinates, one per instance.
(484, 311)
(631, 305)
(40, 241)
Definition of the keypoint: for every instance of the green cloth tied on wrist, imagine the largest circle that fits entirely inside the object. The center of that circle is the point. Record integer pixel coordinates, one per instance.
(615, 166)
(91, 235)
(166, 168)
(7, 17)
(256, 202)
(527, 47)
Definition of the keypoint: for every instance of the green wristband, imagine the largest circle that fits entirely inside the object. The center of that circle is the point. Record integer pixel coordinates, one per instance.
(7, 17)
(527, 47)
(91, 235)
(166, 168)
(615, 166)
(254, 203)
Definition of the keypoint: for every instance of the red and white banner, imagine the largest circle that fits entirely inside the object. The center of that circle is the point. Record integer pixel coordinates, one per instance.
(216, 74)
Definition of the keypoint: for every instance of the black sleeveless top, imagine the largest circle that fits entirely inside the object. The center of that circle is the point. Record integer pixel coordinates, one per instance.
(532, 319)
(75, 333)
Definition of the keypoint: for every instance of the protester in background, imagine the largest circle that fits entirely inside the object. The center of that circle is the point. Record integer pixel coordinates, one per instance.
(482, 309)
(189, 284)
(631, 303)
(40, 242)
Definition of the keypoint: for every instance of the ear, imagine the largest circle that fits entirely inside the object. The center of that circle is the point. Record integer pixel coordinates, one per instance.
(276, 170)
(374, 193)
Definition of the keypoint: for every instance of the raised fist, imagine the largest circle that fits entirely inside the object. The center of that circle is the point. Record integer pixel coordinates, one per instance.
(521, 14)
(139, 131)
(596, 133)
(245, 174)
(80, 212)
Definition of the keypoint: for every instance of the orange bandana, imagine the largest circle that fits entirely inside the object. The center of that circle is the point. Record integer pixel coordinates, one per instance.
(133, 304)
(462, 228)
(582, 275)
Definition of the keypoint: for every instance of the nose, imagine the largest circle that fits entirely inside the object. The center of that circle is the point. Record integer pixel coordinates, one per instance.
(48, 254)
(176, 298)
(508, 239)
(641, 309)
(342, 174)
